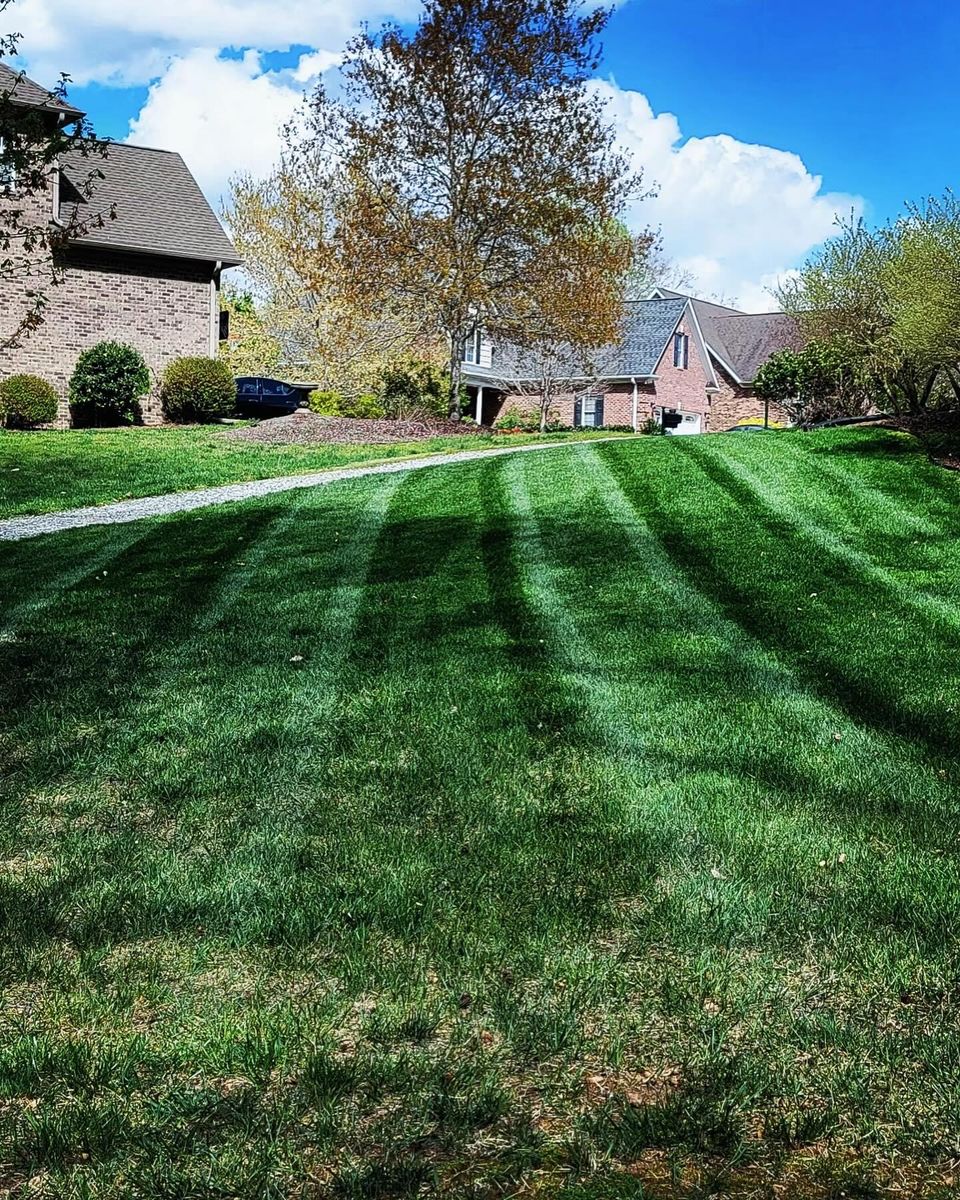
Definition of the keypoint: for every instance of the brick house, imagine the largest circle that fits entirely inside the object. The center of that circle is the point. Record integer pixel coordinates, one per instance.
(684, 362)
(148, 273)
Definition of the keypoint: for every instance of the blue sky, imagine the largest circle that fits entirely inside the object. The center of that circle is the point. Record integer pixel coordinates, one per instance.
(759, 119)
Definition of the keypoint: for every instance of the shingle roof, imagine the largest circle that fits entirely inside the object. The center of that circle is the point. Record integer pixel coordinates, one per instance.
(21, 90)
(750, 339)
(744, 341)
(647, 326)
(159, 206)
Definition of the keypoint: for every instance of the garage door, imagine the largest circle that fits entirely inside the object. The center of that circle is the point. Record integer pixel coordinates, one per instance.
(675, 423)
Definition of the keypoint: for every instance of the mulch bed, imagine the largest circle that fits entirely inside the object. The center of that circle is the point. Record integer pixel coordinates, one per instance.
(308, 429)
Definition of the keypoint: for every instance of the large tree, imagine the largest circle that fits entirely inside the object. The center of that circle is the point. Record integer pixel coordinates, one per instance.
(303, 319)
(889, 299)
(457, 157)
(34, 136)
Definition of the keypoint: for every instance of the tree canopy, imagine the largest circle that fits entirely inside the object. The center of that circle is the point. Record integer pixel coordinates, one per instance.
(888, 300)
(465, 166)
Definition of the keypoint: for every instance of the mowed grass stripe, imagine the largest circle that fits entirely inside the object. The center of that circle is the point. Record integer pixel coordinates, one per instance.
(26, 592)
(767, 576)
(734, 772)
(540, 863)
(747, 483)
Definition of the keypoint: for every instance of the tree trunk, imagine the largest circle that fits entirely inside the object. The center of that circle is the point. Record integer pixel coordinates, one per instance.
(456, 375)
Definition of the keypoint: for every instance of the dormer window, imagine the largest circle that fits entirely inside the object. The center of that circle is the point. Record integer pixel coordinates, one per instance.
(471, 347)
(681, 351)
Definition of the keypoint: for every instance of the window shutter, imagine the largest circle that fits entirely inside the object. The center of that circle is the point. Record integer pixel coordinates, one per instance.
(486, 356)
(224, 325)
(599, 417)
(578, 412)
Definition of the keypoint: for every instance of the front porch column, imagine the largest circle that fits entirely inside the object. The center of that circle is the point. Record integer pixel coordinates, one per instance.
(479, 405)
(635, 403)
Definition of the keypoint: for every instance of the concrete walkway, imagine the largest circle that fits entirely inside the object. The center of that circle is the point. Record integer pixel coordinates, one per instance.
(15, 529)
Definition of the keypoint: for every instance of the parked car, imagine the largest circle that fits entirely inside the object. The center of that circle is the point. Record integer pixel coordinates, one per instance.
(258, 396)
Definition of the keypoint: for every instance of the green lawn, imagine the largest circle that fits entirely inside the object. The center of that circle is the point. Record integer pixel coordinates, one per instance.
(45, 472)
(576, 825)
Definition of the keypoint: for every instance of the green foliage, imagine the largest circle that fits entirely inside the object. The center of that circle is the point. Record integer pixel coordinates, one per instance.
(198, 389)
(27, 401)
(107, 385)
(415, 387)
(332, 404)
(251, 348)
(326, 403)
(818, 383)
(516, 419)
(893, 294)
(367, 407)
(651, 426)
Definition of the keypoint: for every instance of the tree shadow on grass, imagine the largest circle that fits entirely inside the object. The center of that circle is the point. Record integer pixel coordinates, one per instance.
(842, 632)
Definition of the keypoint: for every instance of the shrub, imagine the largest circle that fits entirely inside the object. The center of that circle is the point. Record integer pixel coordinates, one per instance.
(327, 404)
(107, 384)
(26, 401)
(413, 387)
(367, 407)
(198, 389)
(651, 426)
(514, 420)
(331, 404)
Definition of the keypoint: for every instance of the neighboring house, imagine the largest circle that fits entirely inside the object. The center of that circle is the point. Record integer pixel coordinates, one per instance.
(684, 362)
(148, 273)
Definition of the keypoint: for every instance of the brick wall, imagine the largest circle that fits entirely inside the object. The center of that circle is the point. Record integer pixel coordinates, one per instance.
(675, 387)
(735, 403)
(684, 389)
(160, 306)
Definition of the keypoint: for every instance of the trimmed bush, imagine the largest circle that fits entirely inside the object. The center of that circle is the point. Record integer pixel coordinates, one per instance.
(327, 404)
(516, 420)
(27, 401)
(331, 404)
(365, 408)
(198, 389)
(107, 385)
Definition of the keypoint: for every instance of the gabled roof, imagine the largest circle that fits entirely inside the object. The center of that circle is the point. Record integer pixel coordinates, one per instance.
(741, 342)
(751, 338)
(19, 89)
(159, 206)
(647, 328)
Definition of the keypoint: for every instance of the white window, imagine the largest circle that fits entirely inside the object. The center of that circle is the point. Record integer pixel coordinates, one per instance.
(589, 411)
(471, 347)
(681, 351)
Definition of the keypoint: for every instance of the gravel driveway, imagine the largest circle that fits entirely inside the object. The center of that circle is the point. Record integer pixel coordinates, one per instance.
(16, 529)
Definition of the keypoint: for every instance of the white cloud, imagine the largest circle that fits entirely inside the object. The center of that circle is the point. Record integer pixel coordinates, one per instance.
(224, 115)
(132, 41)
(737, 216)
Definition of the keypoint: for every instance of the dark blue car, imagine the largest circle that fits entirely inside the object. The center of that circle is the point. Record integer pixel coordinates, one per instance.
(258, 396)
